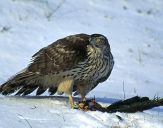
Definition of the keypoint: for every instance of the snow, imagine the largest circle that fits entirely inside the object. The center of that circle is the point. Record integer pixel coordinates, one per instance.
(50, 112)
(135, 35)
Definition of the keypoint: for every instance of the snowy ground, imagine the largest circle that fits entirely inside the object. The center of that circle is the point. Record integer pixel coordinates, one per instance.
(45, 112)
(134, 30)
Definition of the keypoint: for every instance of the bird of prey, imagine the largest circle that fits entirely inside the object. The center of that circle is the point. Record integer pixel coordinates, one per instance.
(75, 64)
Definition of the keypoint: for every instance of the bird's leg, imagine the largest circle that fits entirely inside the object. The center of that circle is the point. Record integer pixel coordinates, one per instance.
(83, 98)
(71, 101)
(80, 89)
(82, 103)
(67, 86)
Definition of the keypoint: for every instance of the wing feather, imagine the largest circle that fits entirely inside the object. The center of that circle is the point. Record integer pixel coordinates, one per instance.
(61, 55)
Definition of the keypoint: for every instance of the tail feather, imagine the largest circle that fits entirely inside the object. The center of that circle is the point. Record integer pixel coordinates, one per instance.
(21, 90)
(41, 90)
(8, 89)
(25, 83)
(29, 90)
(52, 90)
(20, 81)
(25, 90)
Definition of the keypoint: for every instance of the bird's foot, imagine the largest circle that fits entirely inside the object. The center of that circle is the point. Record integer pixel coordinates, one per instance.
(86, 105)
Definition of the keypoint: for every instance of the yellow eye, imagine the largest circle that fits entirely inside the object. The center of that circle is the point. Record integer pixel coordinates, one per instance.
(98, 40)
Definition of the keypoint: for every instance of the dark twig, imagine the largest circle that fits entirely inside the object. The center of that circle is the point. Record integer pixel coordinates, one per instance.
(26, 120)
(51, 13)
(124, 90)
(131, 105)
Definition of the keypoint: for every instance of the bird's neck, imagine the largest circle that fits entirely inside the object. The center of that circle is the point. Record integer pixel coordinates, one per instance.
(94, 53)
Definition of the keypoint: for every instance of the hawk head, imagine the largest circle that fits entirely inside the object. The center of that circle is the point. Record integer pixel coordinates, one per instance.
(99, 41)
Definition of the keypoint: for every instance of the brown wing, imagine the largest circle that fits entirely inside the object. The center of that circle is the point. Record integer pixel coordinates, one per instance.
(61, 55)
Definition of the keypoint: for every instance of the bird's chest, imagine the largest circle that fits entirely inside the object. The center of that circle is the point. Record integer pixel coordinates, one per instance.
(95, 68)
